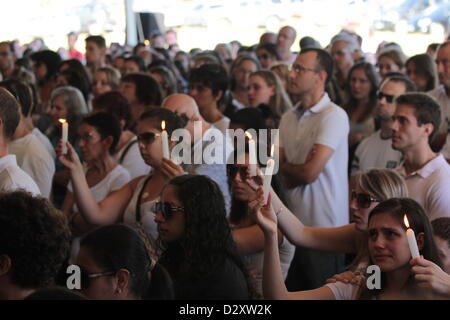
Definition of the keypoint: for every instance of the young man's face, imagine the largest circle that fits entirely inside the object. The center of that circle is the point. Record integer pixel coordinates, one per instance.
(94, 54)
(406, 133)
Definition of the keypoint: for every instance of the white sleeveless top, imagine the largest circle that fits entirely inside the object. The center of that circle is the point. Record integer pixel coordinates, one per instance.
(147, 215)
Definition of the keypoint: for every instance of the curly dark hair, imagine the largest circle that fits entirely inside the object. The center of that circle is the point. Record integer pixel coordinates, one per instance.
(35, 236)
(207, 242)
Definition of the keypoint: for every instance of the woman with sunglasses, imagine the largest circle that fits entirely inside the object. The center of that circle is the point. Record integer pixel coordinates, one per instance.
(133, 202)
(117, 263)
(388, 249)
(98, 137)
(265, 88)
(198, 250)
(371, 188)
(247, 235)
(267, 54)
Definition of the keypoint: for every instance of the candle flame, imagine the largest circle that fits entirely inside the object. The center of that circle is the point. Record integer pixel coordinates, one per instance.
(62, 120)
(272, 150)
(146, 42)
(405, 220)
(163, 125)
(249, 136)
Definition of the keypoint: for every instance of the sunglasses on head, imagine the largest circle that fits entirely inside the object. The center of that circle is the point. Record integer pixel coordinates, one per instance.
(364, 200)
(389, 97)
(87, 277)
(147, 137)
(166, 209)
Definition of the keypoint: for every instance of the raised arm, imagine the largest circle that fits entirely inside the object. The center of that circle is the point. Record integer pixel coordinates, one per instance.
(273, 281)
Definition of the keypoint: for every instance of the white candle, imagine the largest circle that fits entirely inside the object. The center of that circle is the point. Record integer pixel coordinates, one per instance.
(165, 141)
(252, 154)
(268, 178)
(411, 239)
(65, 134)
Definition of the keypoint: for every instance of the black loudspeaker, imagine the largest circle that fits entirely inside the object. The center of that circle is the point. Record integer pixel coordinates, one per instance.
(148, 23)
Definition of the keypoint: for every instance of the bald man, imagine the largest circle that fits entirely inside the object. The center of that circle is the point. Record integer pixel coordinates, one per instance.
(285, 40)
(186, 107)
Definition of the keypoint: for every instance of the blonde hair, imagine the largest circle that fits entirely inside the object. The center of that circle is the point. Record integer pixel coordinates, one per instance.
(280, 102)
(382, 184)
(112, 76)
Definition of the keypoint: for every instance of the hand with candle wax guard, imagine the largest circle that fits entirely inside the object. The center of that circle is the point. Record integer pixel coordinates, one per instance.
(429, 275)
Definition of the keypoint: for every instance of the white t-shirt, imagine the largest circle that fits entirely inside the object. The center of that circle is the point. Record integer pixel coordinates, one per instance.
(113, 181)
(222, 124)
(324, 202)
(255, 261)
(430, 187)
(147, 214)
(444, 101)
(45, 142)
(375, 152)
(342, 291)
(132, 161)
(13, 178)
(34, 159)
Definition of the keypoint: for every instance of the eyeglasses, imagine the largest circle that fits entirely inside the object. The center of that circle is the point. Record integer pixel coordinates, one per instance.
(389, 97)
(147, 137)
(300, 69)
(87, 277)
(263, 56)
(364, 200)
(166, 209)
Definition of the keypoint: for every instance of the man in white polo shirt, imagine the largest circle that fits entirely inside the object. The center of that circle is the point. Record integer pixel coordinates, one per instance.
(11, 176)
(415, 123)
(31, 155)
(376, 150)
(313, 158)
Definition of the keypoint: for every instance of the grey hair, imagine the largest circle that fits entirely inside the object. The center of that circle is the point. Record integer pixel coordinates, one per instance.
(73, 100)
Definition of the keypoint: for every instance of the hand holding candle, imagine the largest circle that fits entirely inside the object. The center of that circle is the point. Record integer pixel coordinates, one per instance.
(268, 176)
(165, 141)
(252, 154)
(65, 134)
(411, 239)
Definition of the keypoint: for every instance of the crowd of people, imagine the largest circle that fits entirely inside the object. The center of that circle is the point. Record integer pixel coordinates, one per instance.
(85, 179)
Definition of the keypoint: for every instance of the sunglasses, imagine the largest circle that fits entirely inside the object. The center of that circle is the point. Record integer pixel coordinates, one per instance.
(234, 170)
(87, 277)
(166, 209)
(389, 97)
(147, 137)
(363, 199)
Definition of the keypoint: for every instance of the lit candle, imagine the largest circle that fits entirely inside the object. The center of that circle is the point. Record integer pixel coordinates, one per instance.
(65, 134)
(252, 154)
(268, 176)
(411, 239)
(165, 141)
